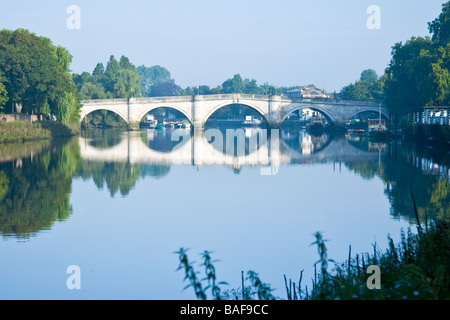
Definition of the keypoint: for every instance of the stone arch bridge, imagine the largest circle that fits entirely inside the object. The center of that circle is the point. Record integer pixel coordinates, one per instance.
(197, 109)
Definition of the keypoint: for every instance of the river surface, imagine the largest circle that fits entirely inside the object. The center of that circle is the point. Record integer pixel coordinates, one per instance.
(118, 204)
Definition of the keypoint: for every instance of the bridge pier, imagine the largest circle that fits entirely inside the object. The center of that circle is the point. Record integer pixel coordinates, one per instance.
(275, 124)
(198, 125)
(133, 126)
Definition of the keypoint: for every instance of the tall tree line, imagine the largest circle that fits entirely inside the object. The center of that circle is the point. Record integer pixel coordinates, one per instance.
(118, 80)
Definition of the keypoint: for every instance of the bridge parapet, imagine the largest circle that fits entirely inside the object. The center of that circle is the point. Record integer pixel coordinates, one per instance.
(103, 101)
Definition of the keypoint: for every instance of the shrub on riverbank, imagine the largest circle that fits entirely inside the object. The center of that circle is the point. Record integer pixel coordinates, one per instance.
(416, 268)
(20, 131)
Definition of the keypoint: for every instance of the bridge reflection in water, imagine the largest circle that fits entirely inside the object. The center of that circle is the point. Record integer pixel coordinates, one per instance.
(235, 148)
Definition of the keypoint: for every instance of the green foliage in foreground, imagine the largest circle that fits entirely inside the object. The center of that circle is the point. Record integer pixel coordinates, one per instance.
(416, 268)
(257, 290)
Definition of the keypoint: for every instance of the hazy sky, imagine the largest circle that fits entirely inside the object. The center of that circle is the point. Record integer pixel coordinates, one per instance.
(285, 43)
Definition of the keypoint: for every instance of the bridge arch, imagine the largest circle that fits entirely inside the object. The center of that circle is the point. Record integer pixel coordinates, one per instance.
(151, 108)
(314, 108)
(374, 110)
(111, 109)
(220, 106)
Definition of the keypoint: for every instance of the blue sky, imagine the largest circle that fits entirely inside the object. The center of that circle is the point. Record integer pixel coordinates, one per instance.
(285, 42)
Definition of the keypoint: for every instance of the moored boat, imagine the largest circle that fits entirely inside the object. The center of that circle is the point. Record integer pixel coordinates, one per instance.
(186, 124)
(315, 126)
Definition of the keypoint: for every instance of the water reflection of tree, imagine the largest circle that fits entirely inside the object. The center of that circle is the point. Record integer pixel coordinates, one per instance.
(116, 176)
(401, 177)
(154, 170)
(34, 193)
(119, 176)
(103, 138)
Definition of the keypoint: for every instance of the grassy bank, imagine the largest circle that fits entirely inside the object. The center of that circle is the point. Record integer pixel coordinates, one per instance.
(21, 131)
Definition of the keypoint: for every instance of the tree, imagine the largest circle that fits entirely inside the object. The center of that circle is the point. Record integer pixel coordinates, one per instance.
(127, 84)
(357, 91)
(368, 87)
(92, 90)
(408, 85)
(118, 80)
(99, 70)
(112, 68)
(165, 89)
(233, 85)
(153, 76)
(369, 75)
(3, 93)
(125, 64)
(251, 87)
(67, 108)
(440, 27)
(36, 72)
(267, 89)
(441, 77)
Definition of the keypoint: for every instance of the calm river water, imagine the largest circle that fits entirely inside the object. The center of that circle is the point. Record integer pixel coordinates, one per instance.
(118, 204)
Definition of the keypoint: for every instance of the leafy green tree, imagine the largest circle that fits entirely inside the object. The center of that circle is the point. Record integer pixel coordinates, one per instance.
(165, 89)
(440, 27)
(67, 108)
(369, 76)
(99, 70)
(408, 85)
(125, 64)
(35, 71)
(267, 89)
(91, 90)
(153, 76)
(127, 84)
(118, 80)
(233, 85)
(3, 93)
(440, 93)
(357, 91)
(368, 87)
(251, 87)
(112, 68)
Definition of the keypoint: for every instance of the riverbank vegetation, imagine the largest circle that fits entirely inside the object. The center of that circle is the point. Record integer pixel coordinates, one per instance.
(416, 268)
(20, 131)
